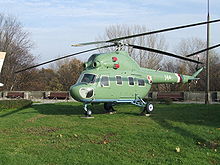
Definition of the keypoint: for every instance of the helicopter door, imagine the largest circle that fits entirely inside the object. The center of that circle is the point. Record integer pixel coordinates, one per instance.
(127, 90)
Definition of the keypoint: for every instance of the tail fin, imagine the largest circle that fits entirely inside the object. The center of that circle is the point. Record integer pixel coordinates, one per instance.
(2, 58)
(193, 77)
(197, 72)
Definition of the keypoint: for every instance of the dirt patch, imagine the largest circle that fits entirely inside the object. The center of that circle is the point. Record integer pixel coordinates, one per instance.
(105, 139)
(5, 131)
(33, 119)
(41, 130)
(211, 145)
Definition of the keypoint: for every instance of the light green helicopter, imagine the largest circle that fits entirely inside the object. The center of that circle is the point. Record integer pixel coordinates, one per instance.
(113, 78)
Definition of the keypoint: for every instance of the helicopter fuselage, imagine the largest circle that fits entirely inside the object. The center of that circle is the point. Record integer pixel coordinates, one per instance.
(116, 77)
(110, 87)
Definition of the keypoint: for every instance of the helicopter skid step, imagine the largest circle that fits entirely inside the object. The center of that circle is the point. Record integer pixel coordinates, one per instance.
(147, 114)
(111, 113)
(87, 117)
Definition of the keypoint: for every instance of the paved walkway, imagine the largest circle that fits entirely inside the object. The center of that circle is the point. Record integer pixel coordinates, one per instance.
(47, 101)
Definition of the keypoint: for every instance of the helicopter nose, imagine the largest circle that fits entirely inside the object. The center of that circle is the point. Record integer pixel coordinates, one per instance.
(86, 92)
(80, 93)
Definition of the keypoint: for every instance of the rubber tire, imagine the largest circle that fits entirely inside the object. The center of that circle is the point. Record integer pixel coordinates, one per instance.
(108, 107)
(149, 108)
(89, 113)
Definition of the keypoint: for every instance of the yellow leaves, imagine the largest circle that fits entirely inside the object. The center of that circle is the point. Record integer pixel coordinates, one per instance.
(177, 149)
(60, 135)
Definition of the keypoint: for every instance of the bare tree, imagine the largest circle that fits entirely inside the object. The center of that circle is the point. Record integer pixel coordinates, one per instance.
(144, 58)
(188, 46)
(215, 72)
(16, 42)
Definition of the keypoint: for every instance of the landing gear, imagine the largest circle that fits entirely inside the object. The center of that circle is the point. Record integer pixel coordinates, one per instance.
(147, 109)
(109, 108)
(88, 112)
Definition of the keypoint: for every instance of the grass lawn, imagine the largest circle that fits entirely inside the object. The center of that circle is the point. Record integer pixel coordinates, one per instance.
(53, 134)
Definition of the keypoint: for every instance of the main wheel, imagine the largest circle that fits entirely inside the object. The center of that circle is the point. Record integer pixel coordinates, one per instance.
(109, 108)
(149, 108)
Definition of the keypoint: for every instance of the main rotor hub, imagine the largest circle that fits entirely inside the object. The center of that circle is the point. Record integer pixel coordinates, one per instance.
(119, 45)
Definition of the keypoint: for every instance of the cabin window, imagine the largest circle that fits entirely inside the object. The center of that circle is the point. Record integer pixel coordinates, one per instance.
(105, 81)
(88, 78)
(131, 80)
(141, 82)
(118, 80)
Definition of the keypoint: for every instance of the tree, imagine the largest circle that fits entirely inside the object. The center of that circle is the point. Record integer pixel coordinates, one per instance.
(17, 44)
(214, 72)
(144, 58)
(48, 79)
(69, 72)
(188, 46)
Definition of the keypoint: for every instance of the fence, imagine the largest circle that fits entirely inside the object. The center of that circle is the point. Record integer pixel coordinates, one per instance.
(185, 96)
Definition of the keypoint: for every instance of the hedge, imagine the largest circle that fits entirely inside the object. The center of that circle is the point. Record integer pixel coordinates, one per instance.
(9, 104)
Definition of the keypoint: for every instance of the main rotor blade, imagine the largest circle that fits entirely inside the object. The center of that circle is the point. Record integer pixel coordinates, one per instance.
(148, 33)
(164, 53)
(203, 50)
(85, 51)
(89, 43)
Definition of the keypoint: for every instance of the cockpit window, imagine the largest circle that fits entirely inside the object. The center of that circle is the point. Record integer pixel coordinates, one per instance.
(88, 78)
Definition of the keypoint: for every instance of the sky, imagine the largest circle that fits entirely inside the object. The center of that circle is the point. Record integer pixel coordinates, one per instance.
(56, 24)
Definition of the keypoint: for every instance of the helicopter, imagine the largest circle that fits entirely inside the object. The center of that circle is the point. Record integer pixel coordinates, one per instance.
(113, 78)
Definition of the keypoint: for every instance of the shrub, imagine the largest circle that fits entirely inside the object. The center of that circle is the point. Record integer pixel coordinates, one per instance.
(8, 104)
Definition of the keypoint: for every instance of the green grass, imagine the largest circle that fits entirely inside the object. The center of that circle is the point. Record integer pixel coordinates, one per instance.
(53, 134)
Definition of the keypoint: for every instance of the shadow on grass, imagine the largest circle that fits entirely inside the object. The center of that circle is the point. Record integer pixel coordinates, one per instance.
(188, 115)
(12, 112)
(207, 115)
(66, 109)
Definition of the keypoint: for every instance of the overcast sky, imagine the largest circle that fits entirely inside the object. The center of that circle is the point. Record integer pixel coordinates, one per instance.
(56, 24)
